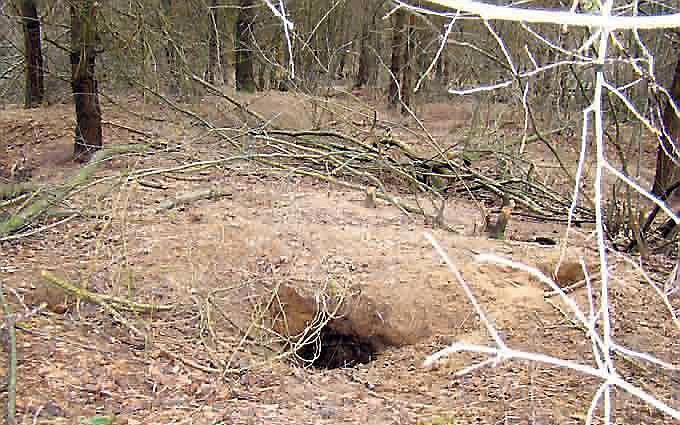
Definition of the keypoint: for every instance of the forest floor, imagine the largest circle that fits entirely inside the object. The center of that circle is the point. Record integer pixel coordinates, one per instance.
(218, 262)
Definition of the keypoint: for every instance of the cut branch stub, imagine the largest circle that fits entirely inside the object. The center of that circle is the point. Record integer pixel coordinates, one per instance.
(495, 229)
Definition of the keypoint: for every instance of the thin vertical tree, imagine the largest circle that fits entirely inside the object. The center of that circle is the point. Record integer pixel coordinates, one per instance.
(83, 79)
(213, 69)
(245, 75)
(344, 29)
(394, 95)
(442, 69)
(363, 71)
(410, 57)
(170, 53)
(34, 89)
(667, 169)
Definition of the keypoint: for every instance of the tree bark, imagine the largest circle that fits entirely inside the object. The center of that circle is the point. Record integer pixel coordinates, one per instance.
(170, 53)
(667, 171)
(410, 57)
(83, 80)
(341, 66)
(394, 96)
(344, 29)
(34, 90)
(213, 45)
(364, 71)
(442, 72)
(245, 75)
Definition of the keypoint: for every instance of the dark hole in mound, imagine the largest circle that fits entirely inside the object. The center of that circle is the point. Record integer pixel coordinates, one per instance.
(334, 350)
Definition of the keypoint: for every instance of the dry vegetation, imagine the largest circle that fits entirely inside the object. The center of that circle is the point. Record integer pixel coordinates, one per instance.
(230, 265)
(269, 229)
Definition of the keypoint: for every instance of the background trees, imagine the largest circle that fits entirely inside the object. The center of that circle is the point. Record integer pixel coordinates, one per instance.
(667, 164)
(416, 107)
(158, 48)
(245, 26)
(83, 78)
(396, 67)
(34, 89)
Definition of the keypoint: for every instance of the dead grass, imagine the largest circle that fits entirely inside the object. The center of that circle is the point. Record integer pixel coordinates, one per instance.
(218, 262)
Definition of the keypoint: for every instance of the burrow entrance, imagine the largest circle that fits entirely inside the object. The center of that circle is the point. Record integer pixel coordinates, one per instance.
(358, 331)
(334, 350)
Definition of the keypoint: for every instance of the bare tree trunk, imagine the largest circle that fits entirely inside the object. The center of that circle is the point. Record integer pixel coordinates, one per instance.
(278, 77)
(226, 44)
(83, 80)
(34, 91)
(245, 75)
(213, 44)
(364, 71)
(410, 58)
(170, 53)
(344, 28)
(439, 70)
(667, 171)
(442, 72)
(397, 48)
(341, 66)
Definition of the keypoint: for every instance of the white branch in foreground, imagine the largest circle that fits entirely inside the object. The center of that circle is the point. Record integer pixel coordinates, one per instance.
(606, 370)
(516, 14)
(611, 379)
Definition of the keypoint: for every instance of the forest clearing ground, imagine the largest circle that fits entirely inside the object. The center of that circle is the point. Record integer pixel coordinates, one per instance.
(272, 229)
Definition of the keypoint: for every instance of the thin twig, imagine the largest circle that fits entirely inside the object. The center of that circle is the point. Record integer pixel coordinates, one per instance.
(12, 378)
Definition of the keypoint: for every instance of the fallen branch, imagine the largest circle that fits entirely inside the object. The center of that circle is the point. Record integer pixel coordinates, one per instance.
(404, 207)
(126, 128)
(47, 199)
(100, 299)
(353, 159)
(12, 190)
(38, 230)
(107, 303)
(187, 198)
(241, 107)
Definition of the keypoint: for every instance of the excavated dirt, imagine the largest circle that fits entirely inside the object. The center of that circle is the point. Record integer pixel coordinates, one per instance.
(248, 273)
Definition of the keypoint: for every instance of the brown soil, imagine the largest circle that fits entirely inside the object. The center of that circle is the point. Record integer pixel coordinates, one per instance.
(231, 266)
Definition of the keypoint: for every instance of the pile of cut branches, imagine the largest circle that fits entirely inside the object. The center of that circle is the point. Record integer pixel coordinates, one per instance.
(366, 156)
(392, 165)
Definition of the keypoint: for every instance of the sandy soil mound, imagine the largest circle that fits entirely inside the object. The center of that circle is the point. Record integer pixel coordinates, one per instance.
(280, 246)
